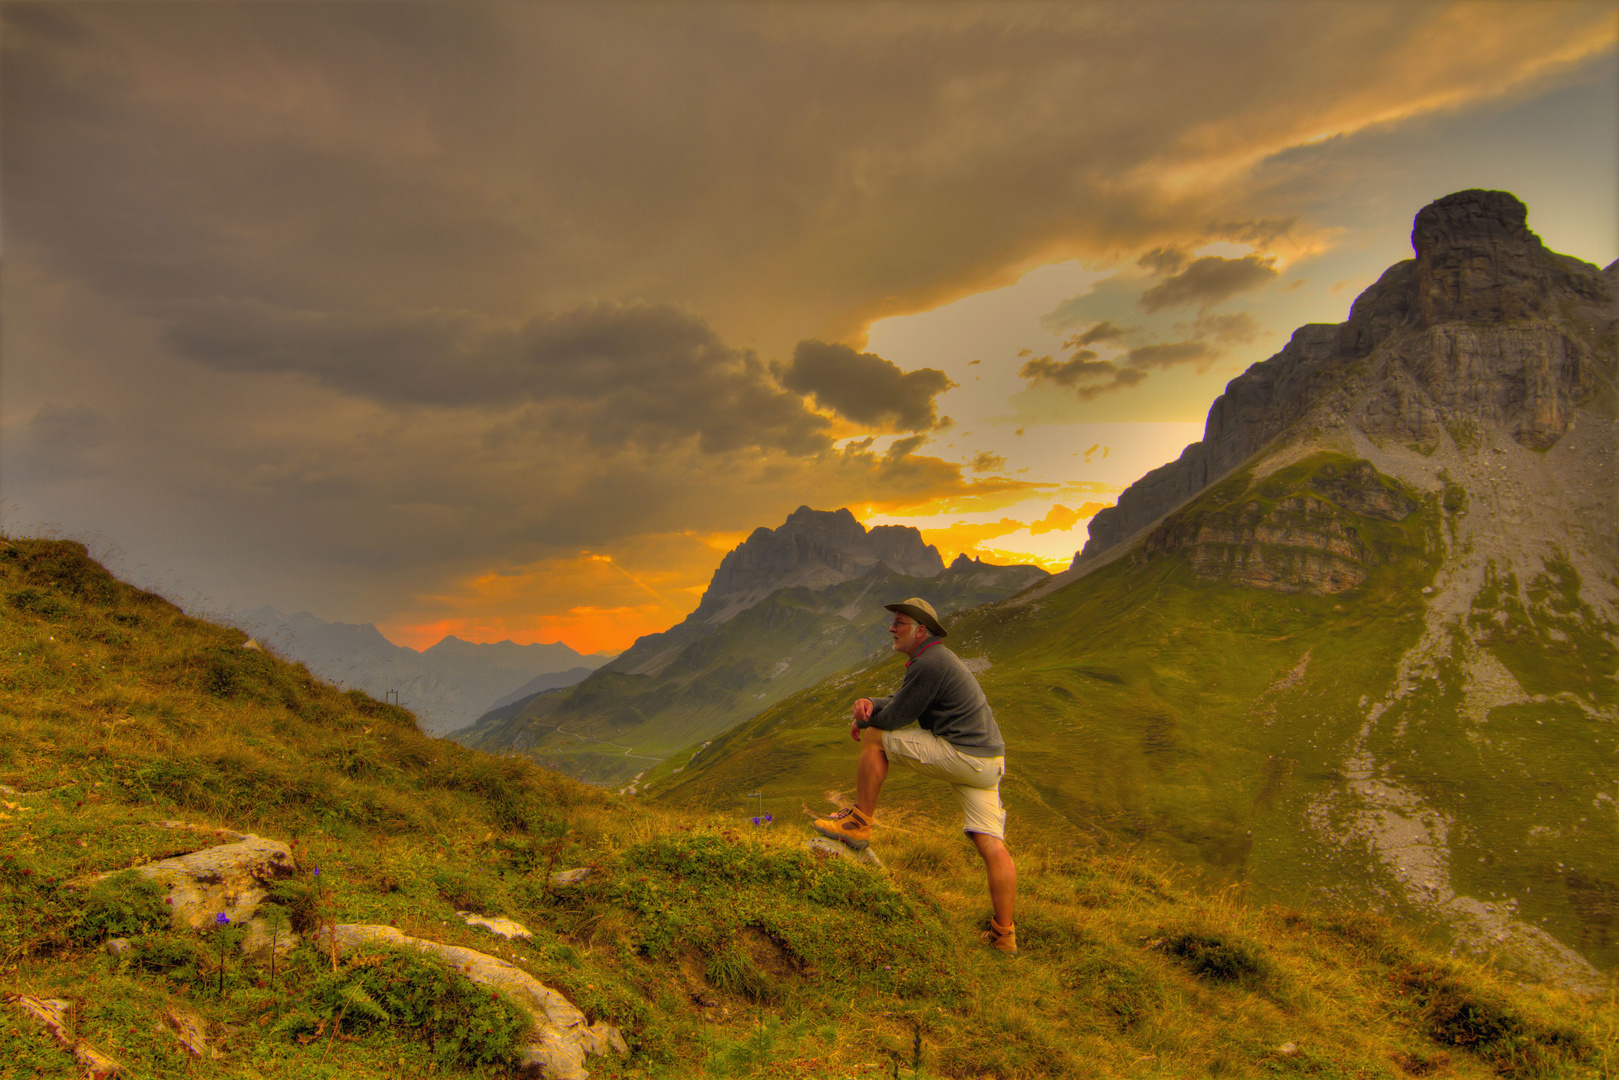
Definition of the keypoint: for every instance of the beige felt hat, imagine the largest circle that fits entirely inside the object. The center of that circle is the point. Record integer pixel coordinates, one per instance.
(920, 610)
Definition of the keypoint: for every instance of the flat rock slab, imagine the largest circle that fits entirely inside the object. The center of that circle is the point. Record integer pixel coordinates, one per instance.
(191, 1031)
(563, 878)
(52, 1015)
(495, 924)
(562, 1038)
(827, 846)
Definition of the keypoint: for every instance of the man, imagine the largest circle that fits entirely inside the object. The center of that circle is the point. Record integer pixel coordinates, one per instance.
(957, 742)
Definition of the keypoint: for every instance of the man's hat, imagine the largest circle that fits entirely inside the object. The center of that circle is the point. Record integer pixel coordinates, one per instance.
(920, 610)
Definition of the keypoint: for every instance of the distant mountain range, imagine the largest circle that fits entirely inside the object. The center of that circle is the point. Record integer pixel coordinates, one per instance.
(1358, 646)
(447, 686)
(784, 609)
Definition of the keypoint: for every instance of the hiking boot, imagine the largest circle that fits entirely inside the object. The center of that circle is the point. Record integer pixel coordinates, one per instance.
(850, 826)
(1000, 938)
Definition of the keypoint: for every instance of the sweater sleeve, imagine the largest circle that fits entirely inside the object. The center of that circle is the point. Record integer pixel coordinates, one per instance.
(916, 691)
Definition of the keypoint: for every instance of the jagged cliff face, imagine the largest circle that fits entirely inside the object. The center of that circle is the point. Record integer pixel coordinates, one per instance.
(1486, 328)
(812, 549)
(1313, 537)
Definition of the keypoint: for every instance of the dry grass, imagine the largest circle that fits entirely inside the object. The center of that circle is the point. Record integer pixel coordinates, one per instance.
(731, 953)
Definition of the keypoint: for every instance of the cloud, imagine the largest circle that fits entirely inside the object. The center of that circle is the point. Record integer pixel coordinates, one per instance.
(988, 462)
(1078, 373)
(652, 374)
(1237, 328)
(1164, 261)
(1102, 331)
(1209, 280)
(1169, 354)
(864, 387)
(1260, 232)
(1058, 518)
(1083, 365)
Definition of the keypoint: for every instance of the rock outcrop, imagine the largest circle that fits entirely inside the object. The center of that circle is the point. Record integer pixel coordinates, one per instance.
(52, 1015)
(811, 549)
(1307, 540)
(561, 1037)
(232, 879)
(1484, 326)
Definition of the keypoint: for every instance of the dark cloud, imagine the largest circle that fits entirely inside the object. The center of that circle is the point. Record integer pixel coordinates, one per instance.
(1081, 366)
(1209, 280)
(1162, 262)
(645, 373)
(864, 387)
(1087, 376)
(1168, 354)
(1102, 331)
(1123, 379)
(988, 462)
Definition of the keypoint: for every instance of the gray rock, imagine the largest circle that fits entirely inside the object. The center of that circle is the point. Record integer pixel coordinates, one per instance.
(230, 879)
(117, 946)
(827, 846)
(563, 878)
(562, 1038)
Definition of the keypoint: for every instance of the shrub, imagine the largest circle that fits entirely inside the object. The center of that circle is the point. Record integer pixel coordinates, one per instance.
(164, 952)
(1222, 959)
(34, 602)
(467, 1025)
(1454, 1014)
(122, 905)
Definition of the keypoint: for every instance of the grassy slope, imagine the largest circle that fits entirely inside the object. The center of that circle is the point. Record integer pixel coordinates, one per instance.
(1202, 722)
(720, 949)
(614, 724)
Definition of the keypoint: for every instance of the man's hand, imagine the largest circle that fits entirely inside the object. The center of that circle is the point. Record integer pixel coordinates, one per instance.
(861, 711)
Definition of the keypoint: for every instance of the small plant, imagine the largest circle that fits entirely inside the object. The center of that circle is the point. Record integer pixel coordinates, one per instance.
(222, 926)
(278, 922)
(122, 905)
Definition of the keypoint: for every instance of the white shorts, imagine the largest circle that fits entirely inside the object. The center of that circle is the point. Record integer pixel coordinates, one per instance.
(975, 780)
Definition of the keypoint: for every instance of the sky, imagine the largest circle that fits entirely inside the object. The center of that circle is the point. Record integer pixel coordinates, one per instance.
(508, 321)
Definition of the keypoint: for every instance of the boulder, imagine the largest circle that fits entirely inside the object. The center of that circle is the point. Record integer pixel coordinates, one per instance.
(562, 1037)
(231, 878)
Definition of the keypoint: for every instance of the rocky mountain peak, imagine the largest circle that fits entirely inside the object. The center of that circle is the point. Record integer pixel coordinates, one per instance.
(1485, 329)
(811, 549)
(1477, 261)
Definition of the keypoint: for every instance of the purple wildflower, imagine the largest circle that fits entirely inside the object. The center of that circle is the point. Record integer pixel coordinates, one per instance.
(222, 919)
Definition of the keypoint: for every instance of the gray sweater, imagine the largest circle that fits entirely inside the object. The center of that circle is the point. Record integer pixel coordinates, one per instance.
(941, 694)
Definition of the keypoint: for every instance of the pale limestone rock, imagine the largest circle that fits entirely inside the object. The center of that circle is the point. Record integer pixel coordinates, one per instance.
(496, 924)
(52, 1014)
(562, 1038)
(189, 1028)
(231, 879)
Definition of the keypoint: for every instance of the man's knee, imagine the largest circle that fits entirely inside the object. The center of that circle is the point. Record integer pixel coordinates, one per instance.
(871, 738)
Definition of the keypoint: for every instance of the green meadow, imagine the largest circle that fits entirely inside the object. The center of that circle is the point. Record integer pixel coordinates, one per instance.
(1152, 710)
(720, 948)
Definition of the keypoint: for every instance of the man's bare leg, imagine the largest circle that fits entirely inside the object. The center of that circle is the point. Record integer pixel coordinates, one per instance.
(1002, 874)
(871, 772)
